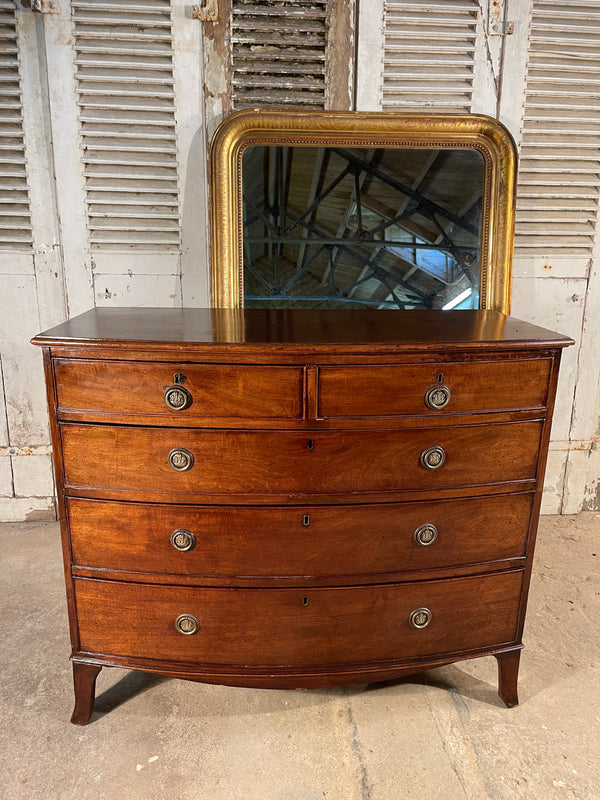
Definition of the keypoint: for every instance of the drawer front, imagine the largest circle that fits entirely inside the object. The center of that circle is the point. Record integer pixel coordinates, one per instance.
(396, 390)
(281, 462)
(213, 390)
(308, 541)
(281, 627)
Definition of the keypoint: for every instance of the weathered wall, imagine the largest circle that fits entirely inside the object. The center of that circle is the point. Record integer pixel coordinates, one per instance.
(60, 272)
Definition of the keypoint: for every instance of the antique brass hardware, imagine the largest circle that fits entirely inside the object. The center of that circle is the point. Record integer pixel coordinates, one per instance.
(433, 457)
(419, 618)
(426, 534)
(306, 520)
(183, 540)
(187, 624)
(177, 398)
(437, 397)
(180, 459)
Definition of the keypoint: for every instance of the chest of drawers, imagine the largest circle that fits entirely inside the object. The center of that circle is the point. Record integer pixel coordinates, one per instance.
(297, 498)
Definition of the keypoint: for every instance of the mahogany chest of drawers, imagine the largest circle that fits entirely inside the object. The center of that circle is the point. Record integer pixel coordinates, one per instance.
(297, 498)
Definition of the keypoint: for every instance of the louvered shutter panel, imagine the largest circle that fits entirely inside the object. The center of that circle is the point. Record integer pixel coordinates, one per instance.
(15, 223)
(557, 199)
(279, 53)
(124, 71)
(429, 55)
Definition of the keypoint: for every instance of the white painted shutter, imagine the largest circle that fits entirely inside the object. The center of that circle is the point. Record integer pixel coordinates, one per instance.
(15, 223)
(126, 104)
(557, 199)
(429, 55)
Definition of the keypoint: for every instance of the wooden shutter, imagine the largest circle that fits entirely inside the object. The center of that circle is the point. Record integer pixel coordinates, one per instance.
(557, 205)
(278, 53)
(15, 223)
(289, 53)
(429, 55)
(124, 71)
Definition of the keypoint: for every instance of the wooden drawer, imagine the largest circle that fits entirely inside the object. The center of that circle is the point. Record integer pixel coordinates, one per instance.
(131, 388)
(271, 463)
(308, 541)
(396, 390)
(277, 627)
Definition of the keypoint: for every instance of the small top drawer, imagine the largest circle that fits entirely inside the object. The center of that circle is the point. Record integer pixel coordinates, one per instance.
(179, 391)
(452, 388)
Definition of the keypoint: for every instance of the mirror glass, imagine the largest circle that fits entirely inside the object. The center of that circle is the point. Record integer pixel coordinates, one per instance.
(354, 227)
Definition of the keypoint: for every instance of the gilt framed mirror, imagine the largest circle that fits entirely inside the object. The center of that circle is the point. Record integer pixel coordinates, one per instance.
(355, 210)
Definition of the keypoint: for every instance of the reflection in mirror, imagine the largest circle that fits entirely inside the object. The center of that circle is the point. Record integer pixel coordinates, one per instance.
(337, 227)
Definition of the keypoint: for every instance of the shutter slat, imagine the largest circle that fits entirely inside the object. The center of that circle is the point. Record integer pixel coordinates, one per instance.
(124, 70)
(15, 221)
(557, 206)
(278, 53)
(429, 55)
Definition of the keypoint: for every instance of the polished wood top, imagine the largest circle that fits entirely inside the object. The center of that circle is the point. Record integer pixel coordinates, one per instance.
(199, 327)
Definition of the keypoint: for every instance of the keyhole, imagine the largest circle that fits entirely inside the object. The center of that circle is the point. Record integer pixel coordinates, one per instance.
(305, 601)
(310, 444)
(306, 520)
(179, 377)
(441, 377)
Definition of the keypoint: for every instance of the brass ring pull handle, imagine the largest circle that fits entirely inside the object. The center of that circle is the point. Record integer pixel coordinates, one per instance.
(177, 398)
(183, 540)
(437, 397)
(433, 457)
(187, 624)
(419, 618)
(180, 459)
(426, 534)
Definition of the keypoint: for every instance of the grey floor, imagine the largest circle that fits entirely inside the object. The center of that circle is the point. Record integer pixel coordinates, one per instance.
(443, 734)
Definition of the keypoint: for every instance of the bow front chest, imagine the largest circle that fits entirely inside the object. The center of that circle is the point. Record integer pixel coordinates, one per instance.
(297, 498)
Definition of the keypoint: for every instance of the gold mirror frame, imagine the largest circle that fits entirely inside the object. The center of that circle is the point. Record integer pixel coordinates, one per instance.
(370, 130)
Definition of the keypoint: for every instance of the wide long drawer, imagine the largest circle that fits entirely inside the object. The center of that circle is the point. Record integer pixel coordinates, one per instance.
(304, 541)
(443, 388)
(177, 392)
(219, 462)
(277, 627)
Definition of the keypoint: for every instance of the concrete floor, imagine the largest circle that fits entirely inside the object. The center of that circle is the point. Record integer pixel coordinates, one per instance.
(443, 734)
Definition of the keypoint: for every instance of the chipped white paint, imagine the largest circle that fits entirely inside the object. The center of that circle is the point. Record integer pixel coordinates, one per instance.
(47, 258)
(138, 290)
(32, 476)
(591, 499)
(558, 305)
(487, 68)
(370, 56)
(6, 478)
(554, 481)
(70, 186)
(24, 392)
(431, 53)
(28, 509)
(514, 68)
(188, 54)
